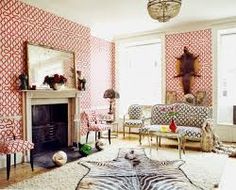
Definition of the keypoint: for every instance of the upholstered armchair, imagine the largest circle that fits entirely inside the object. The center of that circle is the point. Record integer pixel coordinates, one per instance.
(94, 124)
(134, 118)
(11, 142)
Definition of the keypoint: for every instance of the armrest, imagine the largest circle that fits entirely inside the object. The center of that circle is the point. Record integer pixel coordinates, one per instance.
(125, 116)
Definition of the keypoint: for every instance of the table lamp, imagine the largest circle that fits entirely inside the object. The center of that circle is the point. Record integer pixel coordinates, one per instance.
(111, 94)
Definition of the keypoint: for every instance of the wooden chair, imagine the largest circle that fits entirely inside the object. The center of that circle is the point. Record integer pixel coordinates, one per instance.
(93, 123)
(134, 118)
(11, 142)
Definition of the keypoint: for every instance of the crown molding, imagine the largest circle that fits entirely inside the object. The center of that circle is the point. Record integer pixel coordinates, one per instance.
(187, 27)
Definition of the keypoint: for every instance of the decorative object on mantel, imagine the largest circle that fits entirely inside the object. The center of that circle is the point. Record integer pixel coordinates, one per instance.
(187, 67)
(81, 81)
(23, 81)
(111, 94)
(163, 10)
(56, 82)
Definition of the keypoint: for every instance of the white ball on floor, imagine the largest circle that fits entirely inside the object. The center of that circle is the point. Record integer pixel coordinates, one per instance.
(59, 158)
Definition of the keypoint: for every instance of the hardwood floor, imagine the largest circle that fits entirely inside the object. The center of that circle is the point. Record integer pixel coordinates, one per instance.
(23, 171)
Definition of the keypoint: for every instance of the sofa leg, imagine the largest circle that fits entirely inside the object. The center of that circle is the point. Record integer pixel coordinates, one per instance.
(8, 165)
(140, 137)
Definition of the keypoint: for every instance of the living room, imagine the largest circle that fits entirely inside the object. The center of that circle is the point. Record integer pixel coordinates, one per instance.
(95, 95)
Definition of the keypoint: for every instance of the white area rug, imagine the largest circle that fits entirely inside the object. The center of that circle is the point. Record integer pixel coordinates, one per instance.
(203, 169)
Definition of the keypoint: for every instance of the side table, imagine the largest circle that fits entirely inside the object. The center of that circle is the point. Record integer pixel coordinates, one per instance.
(114, 130)
(156, 131)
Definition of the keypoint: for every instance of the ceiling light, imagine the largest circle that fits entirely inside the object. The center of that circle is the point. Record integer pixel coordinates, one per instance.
(163, 10)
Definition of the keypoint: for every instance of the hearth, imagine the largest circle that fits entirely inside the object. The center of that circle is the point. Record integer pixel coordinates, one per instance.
(49, 127)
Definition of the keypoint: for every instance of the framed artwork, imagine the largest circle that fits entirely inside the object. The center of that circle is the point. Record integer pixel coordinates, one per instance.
(171, 97)
(200, 97)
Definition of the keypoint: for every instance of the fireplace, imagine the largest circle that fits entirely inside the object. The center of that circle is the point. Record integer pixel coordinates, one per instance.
(49, 127)
(45, 104)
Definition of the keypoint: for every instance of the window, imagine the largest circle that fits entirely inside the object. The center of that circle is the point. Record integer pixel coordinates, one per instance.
(226, 72)
(140, 75)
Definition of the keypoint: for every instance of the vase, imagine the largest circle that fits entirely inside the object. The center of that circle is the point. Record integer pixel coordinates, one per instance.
(58, 86)
(172, 126)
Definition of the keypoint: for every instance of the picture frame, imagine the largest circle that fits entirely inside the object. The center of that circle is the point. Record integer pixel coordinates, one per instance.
(171, 97)
(200, 97)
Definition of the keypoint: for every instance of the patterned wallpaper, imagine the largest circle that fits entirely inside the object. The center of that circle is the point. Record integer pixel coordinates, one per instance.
(198, 43)
(20, 23)
(101, 73)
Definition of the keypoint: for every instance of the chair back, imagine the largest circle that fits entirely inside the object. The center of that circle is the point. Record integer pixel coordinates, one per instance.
(135, 111)
(6, 129)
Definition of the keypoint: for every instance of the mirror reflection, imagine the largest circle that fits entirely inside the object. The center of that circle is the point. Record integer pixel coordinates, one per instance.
(45, 61)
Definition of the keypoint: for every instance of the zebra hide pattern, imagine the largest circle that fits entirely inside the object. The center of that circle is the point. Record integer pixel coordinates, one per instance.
(125, 174)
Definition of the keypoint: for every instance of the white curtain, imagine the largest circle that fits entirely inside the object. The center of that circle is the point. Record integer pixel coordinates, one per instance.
(226, 78)
(140, 75)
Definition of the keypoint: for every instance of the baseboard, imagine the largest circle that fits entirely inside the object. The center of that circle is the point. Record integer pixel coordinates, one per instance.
(3, 160)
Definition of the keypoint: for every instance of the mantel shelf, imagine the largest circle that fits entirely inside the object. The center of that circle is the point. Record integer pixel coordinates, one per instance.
(68, 93)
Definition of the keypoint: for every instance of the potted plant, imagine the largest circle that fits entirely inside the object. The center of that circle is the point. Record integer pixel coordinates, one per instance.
(55, 81)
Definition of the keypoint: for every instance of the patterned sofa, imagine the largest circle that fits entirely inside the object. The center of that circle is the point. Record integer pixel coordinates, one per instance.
(189, 121)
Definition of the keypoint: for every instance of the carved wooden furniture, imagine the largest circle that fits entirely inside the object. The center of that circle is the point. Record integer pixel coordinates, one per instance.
(134, 118)
(11, 142)
(189, 121)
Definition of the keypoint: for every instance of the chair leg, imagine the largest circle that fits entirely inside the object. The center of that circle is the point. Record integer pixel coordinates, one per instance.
(95, 134)
(14, 160)
(129, 130)
(31, 159)
(99, 134)
(123, 131)
(87, 137)
(109, 136)
(8, 165)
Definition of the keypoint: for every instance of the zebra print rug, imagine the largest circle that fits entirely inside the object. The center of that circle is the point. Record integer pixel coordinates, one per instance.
(140, 173)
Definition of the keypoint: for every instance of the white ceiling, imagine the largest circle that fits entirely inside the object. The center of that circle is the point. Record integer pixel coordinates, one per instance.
(109, 18)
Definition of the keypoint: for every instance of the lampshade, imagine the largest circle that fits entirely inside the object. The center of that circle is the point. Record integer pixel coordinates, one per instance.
(163, 10)
(111, 93)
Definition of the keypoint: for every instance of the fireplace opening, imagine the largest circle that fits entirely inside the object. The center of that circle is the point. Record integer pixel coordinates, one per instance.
(49, 127)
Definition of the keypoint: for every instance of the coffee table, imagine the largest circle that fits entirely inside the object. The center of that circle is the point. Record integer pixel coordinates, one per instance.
(157, 130)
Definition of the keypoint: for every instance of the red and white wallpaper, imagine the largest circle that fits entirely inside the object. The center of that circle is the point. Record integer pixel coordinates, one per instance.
(101, 73)
(198, 43)
(20, 23)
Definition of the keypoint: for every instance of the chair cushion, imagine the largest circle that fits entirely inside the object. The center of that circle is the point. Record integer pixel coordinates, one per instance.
(191, 133)
(14, 146)
(133, 122)
(99, 127)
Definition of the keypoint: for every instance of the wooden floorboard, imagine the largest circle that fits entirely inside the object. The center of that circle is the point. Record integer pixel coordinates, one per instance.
(23, 171)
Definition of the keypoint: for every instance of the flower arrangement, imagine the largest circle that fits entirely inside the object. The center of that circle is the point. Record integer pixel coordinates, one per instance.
(172, 114)
(55, 79)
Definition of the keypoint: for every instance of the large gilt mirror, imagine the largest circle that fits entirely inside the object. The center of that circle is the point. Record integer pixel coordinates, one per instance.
(46, 61)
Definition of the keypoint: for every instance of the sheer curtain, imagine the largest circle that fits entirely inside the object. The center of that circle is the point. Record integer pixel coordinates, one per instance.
(226, 95)
(140, 75)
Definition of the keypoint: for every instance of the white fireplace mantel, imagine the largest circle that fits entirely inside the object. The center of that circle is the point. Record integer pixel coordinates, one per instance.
(42, 97)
